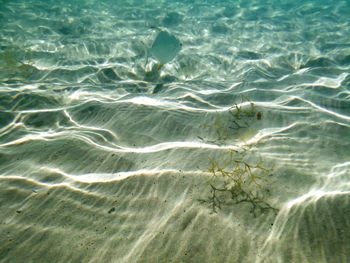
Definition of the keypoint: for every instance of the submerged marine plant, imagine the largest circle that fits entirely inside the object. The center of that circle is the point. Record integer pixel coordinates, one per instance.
(14, 66)
(242, 115)
(238, 181)
(239, 117)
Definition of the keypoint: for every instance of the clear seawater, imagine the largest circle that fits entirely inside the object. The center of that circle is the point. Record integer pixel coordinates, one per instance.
(238, 150)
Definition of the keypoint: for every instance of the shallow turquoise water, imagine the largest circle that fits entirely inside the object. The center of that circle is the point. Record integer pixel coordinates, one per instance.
(104, 158)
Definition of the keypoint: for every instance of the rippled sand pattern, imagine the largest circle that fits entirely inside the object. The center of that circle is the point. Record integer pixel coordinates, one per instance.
(236, 151)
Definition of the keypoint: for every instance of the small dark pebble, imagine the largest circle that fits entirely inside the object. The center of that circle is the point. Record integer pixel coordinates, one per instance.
(259, 115)
(111, 210)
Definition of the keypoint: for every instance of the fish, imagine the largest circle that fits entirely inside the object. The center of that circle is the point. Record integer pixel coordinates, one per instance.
(165, 47)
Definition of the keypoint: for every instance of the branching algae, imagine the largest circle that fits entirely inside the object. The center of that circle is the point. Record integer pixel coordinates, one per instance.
(238, 181)
(241, 115)
(238, 117)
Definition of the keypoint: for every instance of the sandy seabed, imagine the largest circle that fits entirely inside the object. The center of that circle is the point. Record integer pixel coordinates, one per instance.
(236, 151)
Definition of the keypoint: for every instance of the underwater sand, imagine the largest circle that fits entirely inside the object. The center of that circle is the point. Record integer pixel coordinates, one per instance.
(236, 151)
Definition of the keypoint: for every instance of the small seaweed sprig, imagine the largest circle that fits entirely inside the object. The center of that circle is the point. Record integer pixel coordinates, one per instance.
(241, 114)
(238, 181)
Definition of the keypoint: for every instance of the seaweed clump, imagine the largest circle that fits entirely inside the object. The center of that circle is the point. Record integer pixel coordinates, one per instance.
(13, 66)
(238, 181)
(240, 117)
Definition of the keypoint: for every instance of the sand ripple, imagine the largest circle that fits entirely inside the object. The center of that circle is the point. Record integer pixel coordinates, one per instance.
(105, 159)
